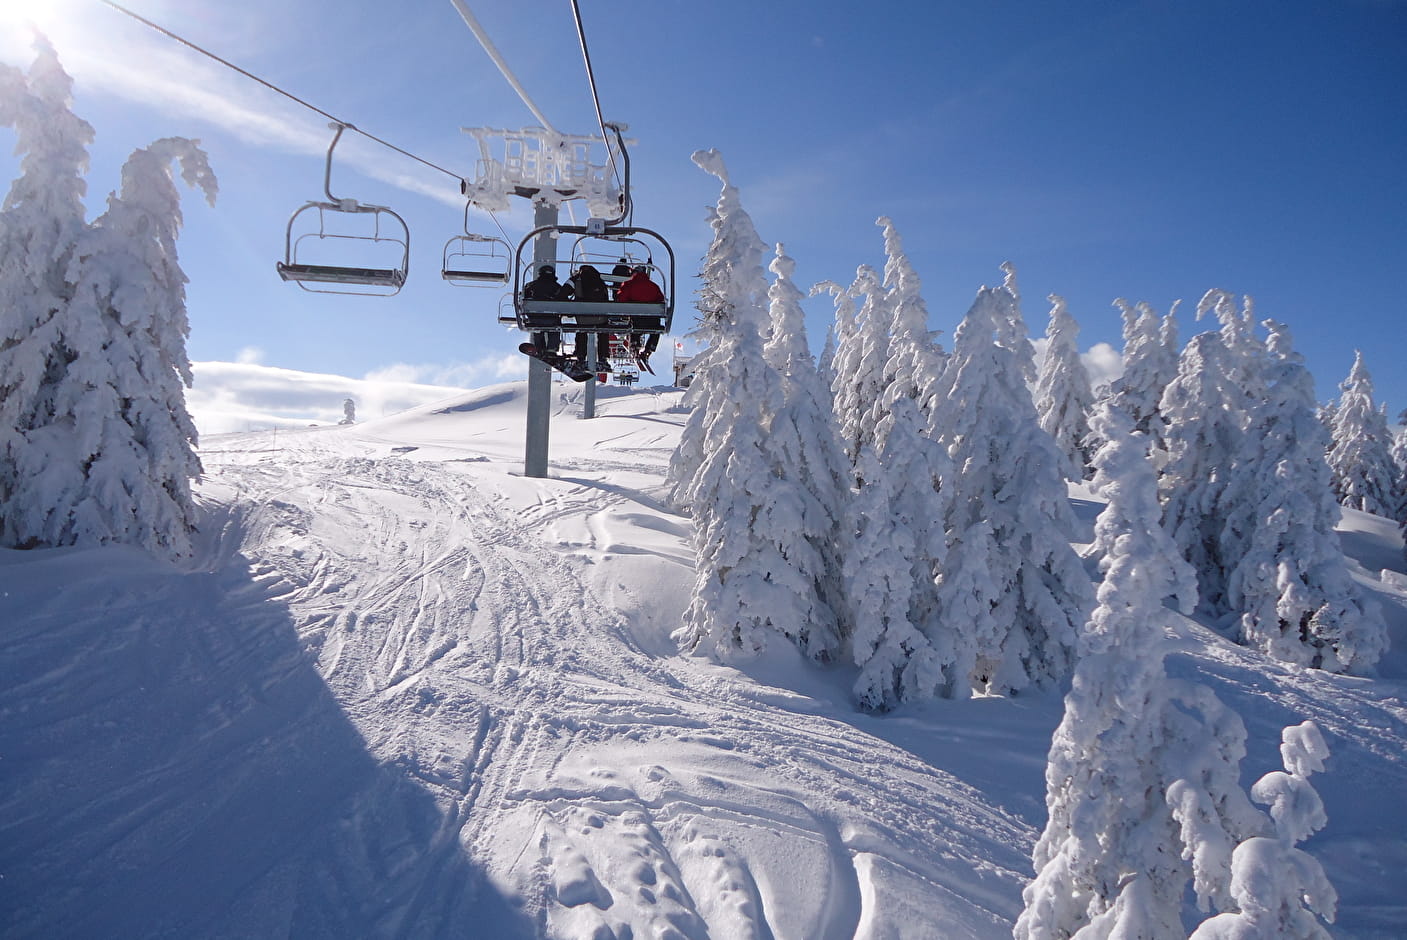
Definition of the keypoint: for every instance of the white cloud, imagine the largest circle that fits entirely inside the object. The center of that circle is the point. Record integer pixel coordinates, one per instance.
(245, 396)
(1104, 364)
(250, 355)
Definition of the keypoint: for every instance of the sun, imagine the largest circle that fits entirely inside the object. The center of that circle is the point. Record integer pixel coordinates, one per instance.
(44, 14)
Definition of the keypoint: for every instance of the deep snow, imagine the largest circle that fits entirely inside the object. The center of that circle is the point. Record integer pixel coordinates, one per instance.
(406, 691)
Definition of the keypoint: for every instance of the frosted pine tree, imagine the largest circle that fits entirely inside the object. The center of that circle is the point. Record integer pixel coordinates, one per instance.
(40, 226)
(1279, 891)
(916, 466)
(861, 351)
(732, 274)
(1399, 460)
(803, 439)
(747, 511)
(897, 662)
(1013, 591)
(1150, 364)
(1360, 455)
(1205, 411)
(1289, 577)
(915, 361)
(125, 387)
(1114, 858)
(1063, 394)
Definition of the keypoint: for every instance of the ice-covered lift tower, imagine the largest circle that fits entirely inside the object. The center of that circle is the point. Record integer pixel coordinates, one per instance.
(548, 168)
(545, 166)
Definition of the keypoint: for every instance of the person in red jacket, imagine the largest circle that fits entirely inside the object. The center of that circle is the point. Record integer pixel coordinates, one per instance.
(641, 290)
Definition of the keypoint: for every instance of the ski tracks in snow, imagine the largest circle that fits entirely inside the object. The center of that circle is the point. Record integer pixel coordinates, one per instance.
(615, 793)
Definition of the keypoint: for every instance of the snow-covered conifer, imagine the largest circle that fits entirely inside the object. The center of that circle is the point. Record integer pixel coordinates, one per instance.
(748, 509)
(98, 446)
(1205, 412)
(1289, 577)
(40, 226)
(1281, 891)
(861, 350)
(803, 439)
(1150, 364)
(1063, 393)
(914, 359)
(1360, 455)
(1007, 517)
(732, 277)
(897, 662)
(1112, 860)
(124, 389)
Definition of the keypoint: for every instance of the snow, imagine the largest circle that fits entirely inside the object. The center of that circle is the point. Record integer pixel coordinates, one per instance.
(403, 689)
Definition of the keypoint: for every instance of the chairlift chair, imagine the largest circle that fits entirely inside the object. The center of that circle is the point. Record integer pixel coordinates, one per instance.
(386, 239)
(475, 260)
(622, 319)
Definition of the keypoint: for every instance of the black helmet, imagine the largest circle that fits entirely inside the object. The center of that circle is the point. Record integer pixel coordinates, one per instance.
(546, 270)
(639, 269)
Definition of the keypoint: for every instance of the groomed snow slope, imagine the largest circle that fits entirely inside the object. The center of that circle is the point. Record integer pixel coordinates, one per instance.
(406, 691)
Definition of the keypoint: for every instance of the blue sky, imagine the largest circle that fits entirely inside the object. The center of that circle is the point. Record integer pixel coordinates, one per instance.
(1149, 150)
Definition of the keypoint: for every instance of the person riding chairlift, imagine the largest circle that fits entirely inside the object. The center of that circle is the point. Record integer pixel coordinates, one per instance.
(544, 287)
(588, 286)
(641, 290)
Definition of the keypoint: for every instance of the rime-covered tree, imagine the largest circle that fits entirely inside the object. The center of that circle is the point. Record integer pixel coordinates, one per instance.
(1288, 574)
(1113, 860)
(861, 350)
(917, 467)
(1360, 455)
(1150, 364)
(748, 512)
(803, 439)
(1013, 590)
(40, 227)
(125, 387)
(732, 276)
(1205, 412)
(1280, 891)
(897, 663)
(1399, 460)
(98, 445)
(1063, 394)
(915, 361)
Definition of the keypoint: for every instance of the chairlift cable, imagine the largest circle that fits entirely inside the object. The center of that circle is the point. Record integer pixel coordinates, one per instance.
(272, 87)
(591, 80)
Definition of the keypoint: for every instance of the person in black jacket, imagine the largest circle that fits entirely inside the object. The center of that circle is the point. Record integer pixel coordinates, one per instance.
(544, 287)
(587, 285)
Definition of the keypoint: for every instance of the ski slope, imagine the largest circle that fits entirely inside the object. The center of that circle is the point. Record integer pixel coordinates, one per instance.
(406, 691)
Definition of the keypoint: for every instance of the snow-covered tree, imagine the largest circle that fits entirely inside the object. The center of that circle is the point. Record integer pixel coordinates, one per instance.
(1280, 891)
(97, 443)
(749, 513)
(1288, 575)
(1063, 393)
(1360, 456)
(861, 350)
(1113, 860)
(1399, 459)
(915, 360)
(732, 275)
(803, 439)
(349, 412)
(1150, 364)
(1013, 590)
(897, 662)
(1206, 412)
(40, 226)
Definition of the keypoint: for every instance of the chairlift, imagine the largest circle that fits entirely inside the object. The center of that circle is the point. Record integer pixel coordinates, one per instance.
(375, 235)
(475, 260)
(614, 317)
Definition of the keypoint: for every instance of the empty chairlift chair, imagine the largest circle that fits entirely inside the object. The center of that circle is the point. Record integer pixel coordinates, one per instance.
(475, 260)
(374, 238)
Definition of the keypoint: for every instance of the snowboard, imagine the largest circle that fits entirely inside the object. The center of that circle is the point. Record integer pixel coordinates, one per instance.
(569, 367)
